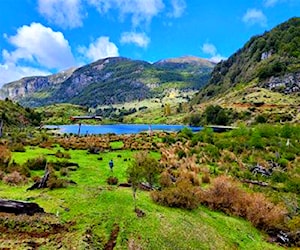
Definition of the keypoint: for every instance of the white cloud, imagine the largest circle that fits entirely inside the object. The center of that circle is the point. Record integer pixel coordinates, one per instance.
(210, 49)
(99, 49)
(254, 16)
(139, 39)
(141, 11)
(65, 13)
(178, 8)
(40, 44)
(38, 50)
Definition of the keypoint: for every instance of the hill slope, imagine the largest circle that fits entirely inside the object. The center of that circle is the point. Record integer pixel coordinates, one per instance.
(110, 81)
(270, 61)
(15, 115)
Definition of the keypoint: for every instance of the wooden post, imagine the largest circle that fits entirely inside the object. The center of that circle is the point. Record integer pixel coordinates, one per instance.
(79, 129)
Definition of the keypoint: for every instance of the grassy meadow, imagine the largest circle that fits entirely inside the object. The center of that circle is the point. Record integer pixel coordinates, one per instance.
(94, 215)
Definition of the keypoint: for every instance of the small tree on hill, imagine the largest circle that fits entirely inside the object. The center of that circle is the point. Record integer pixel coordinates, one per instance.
(143, 168)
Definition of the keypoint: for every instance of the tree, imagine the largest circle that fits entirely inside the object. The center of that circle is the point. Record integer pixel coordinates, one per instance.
(143, 168)
(167, 109)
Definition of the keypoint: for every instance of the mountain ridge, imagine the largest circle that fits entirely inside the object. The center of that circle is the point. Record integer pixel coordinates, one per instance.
(130, 79)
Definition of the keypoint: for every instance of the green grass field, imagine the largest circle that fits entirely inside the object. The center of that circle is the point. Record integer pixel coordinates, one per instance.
(95, 208)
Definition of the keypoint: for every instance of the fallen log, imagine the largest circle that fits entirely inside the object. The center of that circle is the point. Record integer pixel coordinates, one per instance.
(260, 183)
(20, 207)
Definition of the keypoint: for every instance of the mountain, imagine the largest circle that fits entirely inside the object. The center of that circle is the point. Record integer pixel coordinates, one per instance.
(270, 61)
(109, 81)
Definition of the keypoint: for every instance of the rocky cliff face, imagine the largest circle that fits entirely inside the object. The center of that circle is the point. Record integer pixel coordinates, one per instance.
(29, 85)
(109, 81)
(287, 84)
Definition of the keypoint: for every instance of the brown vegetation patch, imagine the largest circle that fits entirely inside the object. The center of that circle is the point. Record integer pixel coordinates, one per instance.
(113, 238)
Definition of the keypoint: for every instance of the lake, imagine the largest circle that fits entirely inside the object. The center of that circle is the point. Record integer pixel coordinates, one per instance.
(119, 128)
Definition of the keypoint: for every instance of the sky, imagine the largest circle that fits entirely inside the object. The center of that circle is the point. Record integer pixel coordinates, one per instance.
(42, 37)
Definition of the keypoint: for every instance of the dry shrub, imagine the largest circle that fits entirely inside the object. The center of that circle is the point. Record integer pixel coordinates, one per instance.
(165, 179)
(205, 178)
(183, 195)
(225, 195)
(192, 177)
(64, 172)
(60, 154)
(18, 147)
(112, 180)
(5, 156)
(22, 169)
(54, 182)
(14, 179)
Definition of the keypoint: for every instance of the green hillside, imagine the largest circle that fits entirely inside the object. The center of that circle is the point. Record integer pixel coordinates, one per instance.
(14, 115)
(270, 60)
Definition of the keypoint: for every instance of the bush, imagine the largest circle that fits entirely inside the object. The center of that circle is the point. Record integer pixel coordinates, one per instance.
(18, 147)
(165, 180)
(205, 178)
(5, 156)
(22, 169)
(14, 178)
(111, 180)
(183, 195)
(54, 182)
(36, 163)
(64, 172)
(60, 154)
(225, 195)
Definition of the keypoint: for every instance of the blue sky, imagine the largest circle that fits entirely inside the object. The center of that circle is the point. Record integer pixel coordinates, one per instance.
(39, 37)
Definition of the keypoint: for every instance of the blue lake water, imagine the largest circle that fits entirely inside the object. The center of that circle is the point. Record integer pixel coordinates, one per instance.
(119, 128)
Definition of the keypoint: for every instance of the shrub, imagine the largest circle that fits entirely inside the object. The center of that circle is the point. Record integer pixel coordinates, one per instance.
(36, 163)
(64, 172)
(54, 182)
(18, 147)
(205, 178)
(111, 180)
(93, 150)
(181, 154)
(60, 154)
(283, 162)
(293, 185)
(14, 178)
(5, 156)
(226, 196)
(261, 119)
(183, 195)
(22, 169)
(165, 179)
